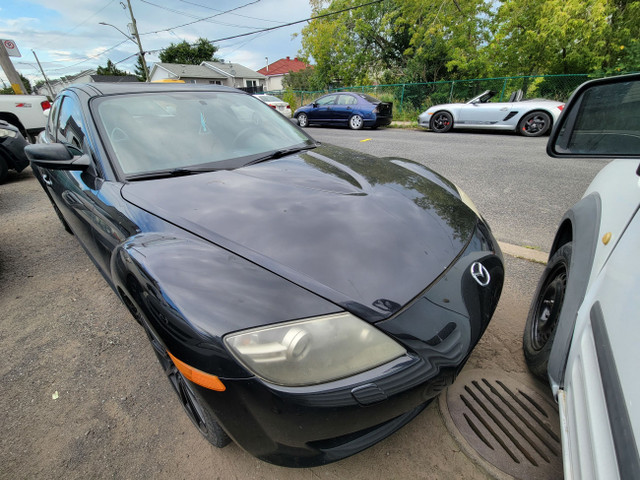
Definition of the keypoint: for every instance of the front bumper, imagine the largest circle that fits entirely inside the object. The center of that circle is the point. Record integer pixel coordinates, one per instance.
(12, 149)
(319, 424)
(424, 119)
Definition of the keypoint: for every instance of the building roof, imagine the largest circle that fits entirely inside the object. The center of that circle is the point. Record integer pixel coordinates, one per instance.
(189, 71)
(114, 78)
(232, 69)
(283, 66)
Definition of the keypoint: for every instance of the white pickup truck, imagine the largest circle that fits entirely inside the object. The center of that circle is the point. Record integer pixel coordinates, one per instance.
(25, 112)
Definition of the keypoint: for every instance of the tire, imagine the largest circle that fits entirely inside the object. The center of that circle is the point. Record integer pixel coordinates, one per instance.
(4, 169)
(303, 120)
(356, 122)
(546, 306)
(191, 401)
(441, 122)
(534, 124)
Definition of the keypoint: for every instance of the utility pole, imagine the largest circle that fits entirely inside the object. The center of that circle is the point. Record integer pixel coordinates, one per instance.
(46, 80)
(10, 72)
(134, 33)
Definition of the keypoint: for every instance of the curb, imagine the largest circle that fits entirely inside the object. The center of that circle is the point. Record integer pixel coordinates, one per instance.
(524, 253)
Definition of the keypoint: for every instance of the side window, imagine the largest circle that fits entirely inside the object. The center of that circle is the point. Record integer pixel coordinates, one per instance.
(346, 100)
(328, 100)
(52, 122)
(71, 129)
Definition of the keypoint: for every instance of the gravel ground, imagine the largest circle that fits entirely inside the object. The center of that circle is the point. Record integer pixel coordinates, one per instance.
(83, 395)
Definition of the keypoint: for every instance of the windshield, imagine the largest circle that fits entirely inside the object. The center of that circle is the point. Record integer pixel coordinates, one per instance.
(153, 132)
(369, 98)
(269, 98)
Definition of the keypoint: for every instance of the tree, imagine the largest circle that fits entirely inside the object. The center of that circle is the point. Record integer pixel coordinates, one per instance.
(396, 40)
(301, 80)
(202, 51)
(110, 69)
(139, 70)
(26, 87)
(551, 37)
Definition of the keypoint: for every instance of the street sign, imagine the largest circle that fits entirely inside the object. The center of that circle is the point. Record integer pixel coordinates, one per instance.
(11, 48)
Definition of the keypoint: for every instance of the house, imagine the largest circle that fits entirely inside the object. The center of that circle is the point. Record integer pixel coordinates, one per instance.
(60, 83)
(276, 71)
(217, 73)
(114, 78)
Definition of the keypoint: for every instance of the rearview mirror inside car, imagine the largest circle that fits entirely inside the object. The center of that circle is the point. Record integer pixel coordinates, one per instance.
(601, 119)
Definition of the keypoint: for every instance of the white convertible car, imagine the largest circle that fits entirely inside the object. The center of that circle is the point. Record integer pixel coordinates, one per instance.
(530, 118)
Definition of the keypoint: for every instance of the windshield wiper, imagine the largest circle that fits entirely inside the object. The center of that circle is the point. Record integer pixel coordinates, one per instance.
(173, 172)
(281, 153)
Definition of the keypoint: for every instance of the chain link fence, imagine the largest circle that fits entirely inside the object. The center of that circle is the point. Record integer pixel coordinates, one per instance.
(411, 99)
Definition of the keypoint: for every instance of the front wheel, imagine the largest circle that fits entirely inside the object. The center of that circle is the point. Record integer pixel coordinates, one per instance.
(193, 404)
(356, 122)
(534, 124)
(441, 122)
(303, 120)
(542, 321)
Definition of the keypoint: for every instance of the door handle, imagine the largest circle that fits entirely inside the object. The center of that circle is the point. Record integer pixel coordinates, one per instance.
(47, 180)
(72, 200)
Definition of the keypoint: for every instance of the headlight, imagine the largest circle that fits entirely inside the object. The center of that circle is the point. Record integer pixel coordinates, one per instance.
(313, 350)
(5, 132)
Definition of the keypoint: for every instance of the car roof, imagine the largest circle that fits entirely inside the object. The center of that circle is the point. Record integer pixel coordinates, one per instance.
(103, 89)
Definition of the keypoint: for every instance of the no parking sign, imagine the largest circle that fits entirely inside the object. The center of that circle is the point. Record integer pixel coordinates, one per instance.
(11, 48)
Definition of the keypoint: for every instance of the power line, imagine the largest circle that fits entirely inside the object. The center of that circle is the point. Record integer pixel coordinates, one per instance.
(278, 26)
(84, 21)
(90, 57)
(236, 14)
(191, 15)
(198, 20)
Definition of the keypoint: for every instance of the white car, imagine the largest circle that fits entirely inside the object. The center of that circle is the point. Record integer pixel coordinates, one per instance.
(279, 105)
(583, 327)
(530, 118)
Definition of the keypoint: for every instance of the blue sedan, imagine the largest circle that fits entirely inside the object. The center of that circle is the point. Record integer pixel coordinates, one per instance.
(356, 110)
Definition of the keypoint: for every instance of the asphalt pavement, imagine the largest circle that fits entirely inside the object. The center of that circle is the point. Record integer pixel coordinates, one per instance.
(518, 188)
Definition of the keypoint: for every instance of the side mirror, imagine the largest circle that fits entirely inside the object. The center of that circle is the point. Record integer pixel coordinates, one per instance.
(601, 119)
(56, 156)
(314, 105)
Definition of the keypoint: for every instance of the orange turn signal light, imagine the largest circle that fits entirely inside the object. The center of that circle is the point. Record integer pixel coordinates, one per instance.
(198, 377)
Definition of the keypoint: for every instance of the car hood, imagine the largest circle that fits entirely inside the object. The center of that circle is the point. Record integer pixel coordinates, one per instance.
(366, 233)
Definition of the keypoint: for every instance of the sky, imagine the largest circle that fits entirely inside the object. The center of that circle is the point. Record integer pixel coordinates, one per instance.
(67, 37)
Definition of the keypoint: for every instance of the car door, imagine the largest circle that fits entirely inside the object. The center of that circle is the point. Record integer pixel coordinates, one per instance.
(599, 398)
(344, 107)
(84, 198)
(483, 114)
(323, 111)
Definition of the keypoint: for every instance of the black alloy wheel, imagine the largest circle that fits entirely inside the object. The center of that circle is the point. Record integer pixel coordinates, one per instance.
(191, 401)
(542, 321)
(303, 120)
(441, 122)
(534, 124)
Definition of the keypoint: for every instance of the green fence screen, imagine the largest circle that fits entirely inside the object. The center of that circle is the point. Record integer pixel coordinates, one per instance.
(411, 99)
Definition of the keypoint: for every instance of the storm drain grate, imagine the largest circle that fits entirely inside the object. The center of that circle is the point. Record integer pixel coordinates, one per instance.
(512, 425)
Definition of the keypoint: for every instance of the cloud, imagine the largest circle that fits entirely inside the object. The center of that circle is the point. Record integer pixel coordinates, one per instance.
(66, 32)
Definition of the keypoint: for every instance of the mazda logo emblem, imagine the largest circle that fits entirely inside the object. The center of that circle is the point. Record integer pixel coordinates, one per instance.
(480, 274)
